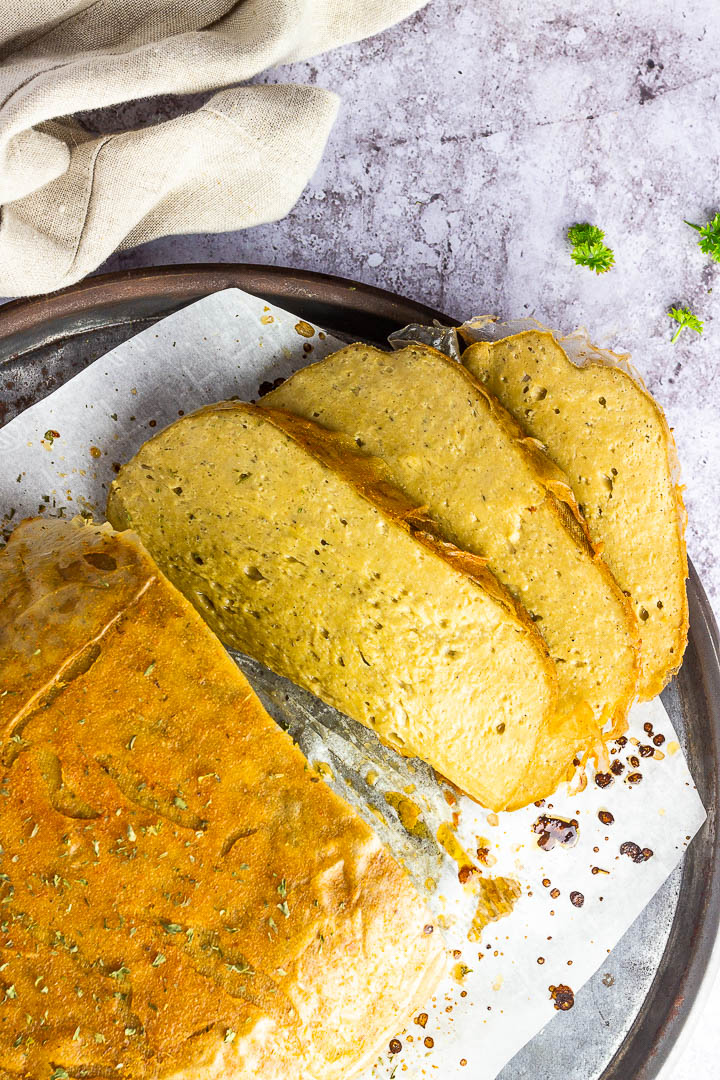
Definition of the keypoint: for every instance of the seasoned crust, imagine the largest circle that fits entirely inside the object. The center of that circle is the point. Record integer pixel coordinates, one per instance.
(298, 551)
(598, 422)
(180, 893)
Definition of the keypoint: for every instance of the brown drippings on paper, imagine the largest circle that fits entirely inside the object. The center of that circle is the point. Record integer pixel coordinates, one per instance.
(304, 329)
(635, 852)
(563, 997)
(496, 898)
(483, 852)
(554, 831)
(449, 842)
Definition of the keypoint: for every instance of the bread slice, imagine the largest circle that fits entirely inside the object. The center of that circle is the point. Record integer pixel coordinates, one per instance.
(298, 551)
(452, 448)
(181, 895)
(601, 427)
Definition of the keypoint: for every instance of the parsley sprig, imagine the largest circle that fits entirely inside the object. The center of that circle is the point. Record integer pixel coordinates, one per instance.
(684, 317)
(709, 242)
(589, 248)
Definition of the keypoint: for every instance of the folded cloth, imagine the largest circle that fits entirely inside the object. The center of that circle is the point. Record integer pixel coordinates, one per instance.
(69, 197)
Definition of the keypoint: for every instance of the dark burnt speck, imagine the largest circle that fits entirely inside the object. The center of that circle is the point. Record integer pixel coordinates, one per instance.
(552, 831)
(563, 997)
(635, 852)
(266, 387)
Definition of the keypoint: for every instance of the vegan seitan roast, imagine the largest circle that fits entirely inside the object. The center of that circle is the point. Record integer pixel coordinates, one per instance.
(298, 550)
(493, 493)
(181, 895)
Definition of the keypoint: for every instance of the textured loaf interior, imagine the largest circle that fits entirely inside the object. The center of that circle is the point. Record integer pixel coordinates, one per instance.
(611, 439)
(449, 446)
(180, 893)
(297, 551)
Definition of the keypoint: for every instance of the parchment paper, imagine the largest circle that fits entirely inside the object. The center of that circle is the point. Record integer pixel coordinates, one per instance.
(59, 457)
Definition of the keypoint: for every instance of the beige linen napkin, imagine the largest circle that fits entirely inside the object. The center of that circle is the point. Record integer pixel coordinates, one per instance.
(69, 198)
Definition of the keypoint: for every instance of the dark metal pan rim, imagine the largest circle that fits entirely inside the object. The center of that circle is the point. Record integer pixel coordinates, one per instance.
(133, 299)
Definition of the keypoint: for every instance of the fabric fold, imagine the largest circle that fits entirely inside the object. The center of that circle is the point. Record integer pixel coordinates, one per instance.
(69, 198)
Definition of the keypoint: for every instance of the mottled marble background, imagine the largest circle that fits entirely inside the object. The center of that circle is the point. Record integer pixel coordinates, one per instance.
(470, 137)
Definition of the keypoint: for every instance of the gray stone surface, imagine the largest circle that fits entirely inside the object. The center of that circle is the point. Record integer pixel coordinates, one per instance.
(470, 137)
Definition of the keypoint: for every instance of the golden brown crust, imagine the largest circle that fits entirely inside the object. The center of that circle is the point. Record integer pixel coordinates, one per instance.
(589, 354)
(180, 894)
(617, 546)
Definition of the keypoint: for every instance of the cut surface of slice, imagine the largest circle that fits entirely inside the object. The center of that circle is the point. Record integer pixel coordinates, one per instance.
(180, 893)
(453, 449)
(298, 551)
(610, 437)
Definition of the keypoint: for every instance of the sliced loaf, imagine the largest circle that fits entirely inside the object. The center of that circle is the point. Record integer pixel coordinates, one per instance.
(297, 550)
(451, 447)
(613, 442)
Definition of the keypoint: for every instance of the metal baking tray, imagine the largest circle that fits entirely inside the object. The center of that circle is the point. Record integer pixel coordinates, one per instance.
(627, 1018)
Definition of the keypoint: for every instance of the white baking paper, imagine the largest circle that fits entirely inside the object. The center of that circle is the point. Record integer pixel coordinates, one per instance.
(59, 457)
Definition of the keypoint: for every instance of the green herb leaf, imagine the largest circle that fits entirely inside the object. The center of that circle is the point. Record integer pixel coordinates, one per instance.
(684, 317)
(230, 1035)
(284, 908)
(241, 968)
(159, 959)
(589, 248)
(172, 928)
(119, 973)
(11, 992)
(180, 803)
(60, 1074)
(149, 669)
(282, 888)
(709, 242)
